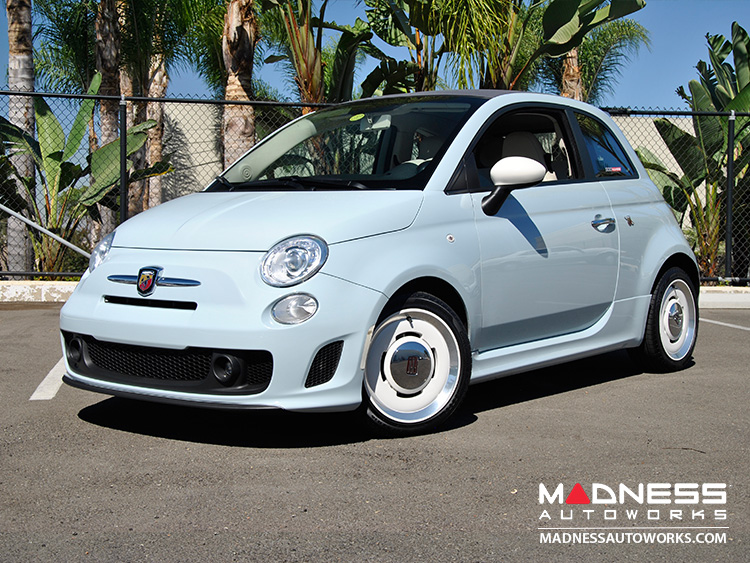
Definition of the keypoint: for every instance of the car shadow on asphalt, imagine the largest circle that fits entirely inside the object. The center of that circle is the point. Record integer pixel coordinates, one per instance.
(279, 429)
(546, 382)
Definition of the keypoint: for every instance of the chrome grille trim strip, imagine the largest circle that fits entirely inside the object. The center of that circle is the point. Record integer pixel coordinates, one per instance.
(164, 282)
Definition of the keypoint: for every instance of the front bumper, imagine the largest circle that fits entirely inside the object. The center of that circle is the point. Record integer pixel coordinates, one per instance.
(130, 347)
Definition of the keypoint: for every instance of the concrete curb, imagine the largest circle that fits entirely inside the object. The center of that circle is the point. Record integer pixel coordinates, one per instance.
(724, 298)
(59, 291)
(36, 291)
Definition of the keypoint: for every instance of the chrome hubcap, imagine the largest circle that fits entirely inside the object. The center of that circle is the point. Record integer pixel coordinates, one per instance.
(409, 366)
(677, 320)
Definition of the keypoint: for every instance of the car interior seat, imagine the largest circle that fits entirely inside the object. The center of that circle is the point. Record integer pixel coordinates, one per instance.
(523, 143)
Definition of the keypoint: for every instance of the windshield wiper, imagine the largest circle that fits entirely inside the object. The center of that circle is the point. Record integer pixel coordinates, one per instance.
(221, 184)
(330, 183)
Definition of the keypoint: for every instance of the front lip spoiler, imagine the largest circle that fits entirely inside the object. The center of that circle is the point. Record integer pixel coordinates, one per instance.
(167, 400)
(163, 282)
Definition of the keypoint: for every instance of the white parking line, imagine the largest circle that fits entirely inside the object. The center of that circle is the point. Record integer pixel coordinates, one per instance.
(724, 324)
(51, 384)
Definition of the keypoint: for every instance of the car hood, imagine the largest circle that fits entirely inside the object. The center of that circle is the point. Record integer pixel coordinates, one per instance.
(245, 221)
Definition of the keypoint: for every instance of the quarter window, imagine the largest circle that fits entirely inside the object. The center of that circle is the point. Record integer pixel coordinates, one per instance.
(607, 155)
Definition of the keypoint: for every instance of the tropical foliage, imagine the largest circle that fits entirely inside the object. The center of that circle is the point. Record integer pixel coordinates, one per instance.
(704, 155)
(62, 200)
(602, 55)
(64, 57)
(504, 44)
(323, 71)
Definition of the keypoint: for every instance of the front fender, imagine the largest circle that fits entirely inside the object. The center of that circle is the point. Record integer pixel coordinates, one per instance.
(429, 248)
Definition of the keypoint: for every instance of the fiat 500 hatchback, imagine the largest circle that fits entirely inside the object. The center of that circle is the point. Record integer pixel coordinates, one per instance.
(387, 253)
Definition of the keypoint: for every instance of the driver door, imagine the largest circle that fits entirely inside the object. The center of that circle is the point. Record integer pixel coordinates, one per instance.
(550, 256)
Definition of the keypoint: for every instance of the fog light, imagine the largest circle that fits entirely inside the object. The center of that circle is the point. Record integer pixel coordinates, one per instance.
(294, 309)
(225, 368)
(75, 350)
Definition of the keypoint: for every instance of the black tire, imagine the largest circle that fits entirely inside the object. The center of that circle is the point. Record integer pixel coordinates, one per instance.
(417, 368)
(671, 326)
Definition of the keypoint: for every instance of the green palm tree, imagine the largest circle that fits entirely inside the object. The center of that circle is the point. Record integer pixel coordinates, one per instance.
(203, 46)
(155, 38)
(74, 40)
(239, 38)
(227, 64)
(77, 37)
(320, 71)
(498, 43)
(64, 56)
(601, 57)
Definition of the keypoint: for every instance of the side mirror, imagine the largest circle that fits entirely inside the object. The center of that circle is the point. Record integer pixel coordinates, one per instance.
(508, 174)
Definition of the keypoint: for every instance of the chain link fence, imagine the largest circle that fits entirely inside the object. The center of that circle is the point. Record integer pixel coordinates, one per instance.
(700, 162)
(76, 157)
(175, 147)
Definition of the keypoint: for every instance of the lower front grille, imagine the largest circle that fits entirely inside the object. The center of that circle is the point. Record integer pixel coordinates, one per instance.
(154, 363)
(189, 369)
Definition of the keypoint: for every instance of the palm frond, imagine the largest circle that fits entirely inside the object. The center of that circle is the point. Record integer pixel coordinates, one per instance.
(602, 55)
(65, 58)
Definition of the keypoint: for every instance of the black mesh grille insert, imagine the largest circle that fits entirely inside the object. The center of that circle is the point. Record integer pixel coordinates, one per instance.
(156, 363)
(190, 369)
(259, 371)
(325, 363)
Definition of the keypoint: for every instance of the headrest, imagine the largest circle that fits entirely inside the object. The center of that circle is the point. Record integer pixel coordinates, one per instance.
(429, 147)
(523, 143)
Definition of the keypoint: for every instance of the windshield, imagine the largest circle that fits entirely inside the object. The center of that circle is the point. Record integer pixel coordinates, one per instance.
(384, 143)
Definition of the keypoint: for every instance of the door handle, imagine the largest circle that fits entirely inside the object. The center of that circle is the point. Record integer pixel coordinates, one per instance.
(603, 225)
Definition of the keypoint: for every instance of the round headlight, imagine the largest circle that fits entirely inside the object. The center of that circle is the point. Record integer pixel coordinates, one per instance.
(293, 261)
(100, 251)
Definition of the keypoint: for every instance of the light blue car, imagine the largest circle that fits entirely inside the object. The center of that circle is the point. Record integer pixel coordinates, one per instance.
(388, 253)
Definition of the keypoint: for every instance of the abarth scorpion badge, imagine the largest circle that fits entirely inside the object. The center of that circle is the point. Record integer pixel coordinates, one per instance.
(147, 278)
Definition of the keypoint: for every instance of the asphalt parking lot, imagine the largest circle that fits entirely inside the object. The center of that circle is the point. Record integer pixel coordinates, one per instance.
(92, 478)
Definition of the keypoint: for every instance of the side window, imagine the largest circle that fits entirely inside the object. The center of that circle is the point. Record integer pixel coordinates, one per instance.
(537, 134)
(607, 155)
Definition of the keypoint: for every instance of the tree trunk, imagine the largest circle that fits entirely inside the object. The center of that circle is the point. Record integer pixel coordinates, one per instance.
(108, 64)
(572, 85)
(135, 113)
(155, 110)
(238, 48)
(136, 190)
(21, 113)
(306, 55)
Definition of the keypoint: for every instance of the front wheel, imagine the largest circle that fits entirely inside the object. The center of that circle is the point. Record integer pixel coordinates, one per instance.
(672, 324)
(418, 366)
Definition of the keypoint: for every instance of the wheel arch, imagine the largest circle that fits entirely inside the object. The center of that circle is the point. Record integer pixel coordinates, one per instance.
(436, 287)
(682, 261)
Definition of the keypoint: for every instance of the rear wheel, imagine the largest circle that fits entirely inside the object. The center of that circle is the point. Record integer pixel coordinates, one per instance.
(418, 366)
(672, 324)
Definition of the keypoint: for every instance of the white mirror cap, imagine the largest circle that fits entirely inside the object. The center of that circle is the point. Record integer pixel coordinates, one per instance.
(517, 170)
